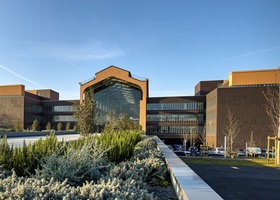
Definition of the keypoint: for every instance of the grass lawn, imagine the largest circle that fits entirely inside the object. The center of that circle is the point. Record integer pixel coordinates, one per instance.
(253, 162)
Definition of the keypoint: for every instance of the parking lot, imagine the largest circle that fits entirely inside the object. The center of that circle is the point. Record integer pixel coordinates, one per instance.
(241, 182)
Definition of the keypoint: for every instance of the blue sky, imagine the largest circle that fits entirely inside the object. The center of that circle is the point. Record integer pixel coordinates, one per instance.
(58, 43)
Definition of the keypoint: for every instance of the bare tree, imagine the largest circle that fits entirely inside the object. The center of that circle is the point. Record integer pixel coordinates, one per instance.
(202, 137)
(252, 142)
(231, 128)
(272, 108)
(186, 138)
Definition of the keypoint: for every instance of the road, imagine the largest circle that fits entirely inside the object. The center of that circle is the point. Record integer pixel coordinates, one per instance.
(241, 182)
(18, 141)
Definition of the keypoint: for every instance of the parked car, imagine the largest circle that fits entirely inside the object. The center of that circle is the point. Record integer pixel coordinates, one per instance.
(254, 151)
(264, 153)
(178, 147)
(216, 151)
(204, 150)
(240, 152)
(180, 153)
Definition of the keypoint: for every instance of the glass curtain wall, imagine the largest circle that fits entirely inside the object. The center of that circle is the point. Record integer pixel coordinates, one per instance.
(117, 97)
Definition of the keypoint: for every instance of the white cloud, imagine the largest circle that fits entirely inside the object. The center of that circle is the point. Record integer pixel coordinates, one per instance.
(19, 76)
(94, 50)
(251, 53)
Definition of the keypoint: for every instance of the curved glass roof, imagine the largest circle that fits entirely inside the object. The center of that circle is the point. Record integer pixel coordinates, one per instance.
(117, 97)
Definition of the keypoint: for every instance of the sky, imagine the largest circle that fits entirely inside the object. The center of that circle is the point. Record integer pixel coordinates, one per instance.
(55, 44)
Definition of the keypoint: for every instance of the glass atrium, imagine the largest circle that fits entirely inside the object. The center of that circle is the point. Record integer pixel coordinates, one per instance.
(117, 97)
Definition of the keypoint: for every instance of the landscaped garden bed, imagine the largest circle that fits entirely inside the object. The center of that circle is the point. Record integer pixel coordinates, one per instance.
(115, 165)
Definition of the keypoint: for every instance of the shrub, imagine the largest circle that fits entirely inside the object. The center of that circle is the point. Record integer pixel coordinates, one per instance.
(48, 126)
(114, 189)
(68, 126)
(26, 159)
(14, 187)
(59, 126)
(87, 162)
(146, 166)
(121, 143)
(35, 125)
(81, 171)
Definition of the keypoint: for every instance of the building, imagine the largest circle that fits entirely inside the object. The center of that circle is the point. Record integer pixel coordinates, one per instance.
(117, 91)
(243, 95)
(21, 107)
(202, 116)
(175, 118)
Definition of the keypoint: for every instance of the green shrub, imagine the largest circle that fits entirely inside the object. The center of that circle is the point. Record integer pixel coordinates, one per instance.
(59, 126)
(121, 143)
(26, 159)
(68, 126)
(35, 125)
(48, 126)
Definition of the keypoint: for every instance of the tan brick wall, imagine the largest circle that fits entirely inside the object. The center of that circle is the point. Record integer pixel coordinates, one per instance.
(12, 90)
(248, 105)
(11, 111)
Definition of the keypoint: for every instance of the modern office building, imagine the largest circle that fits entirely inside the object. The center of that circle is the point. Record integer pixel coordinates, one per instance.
(117, 91)
(173, 119)
(243, 95)
(22, 107)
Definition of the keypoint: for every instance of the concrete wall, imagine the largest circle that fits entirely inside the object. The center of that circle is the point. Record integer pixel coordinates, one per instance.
(186, 183)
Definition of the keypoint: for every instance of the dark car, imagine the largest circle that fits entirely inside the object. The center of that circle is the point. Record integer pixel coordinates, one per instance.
(180, 153)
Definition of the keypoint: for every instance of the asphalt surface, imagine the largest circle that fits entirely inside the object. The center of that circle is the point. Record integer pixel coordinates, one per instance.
(240, 182)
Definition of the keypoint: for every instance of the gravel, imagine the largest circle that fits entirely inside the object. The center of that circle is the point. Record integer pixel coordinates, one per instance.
(163, 193)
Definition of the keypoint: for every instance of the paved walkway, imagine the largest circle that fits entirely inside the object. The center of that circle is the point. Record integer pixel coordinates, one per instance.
(18, 141)
(238, 183)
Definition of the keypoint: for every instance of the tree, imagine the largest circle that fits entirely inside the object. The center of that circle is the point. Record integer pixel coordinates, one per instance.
(272, 108)
(252, 142)
(59, 126)
(84, 114)
(122, 122)
(48, 126)
(231, 128)
(35, 125)
(18, 125)
(68, 126)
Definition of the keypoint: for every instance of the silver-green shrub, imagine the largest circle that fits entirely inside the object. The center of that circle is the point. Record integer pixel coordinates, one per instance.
(146, 165)
(14, 187)
(81, 171)
(76, 164)
(114, 188)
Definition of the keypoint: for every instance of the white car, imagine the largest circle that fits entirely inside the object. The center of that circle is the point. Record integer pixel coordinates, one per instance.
(254, 151)
(216, 151)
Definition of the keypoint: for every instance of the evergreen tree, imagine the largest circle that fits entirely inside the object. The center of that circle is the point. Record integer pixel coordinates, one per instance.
(68, 126)
(35, 125)
(59, 126)
(48, 126)
(84, 113)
